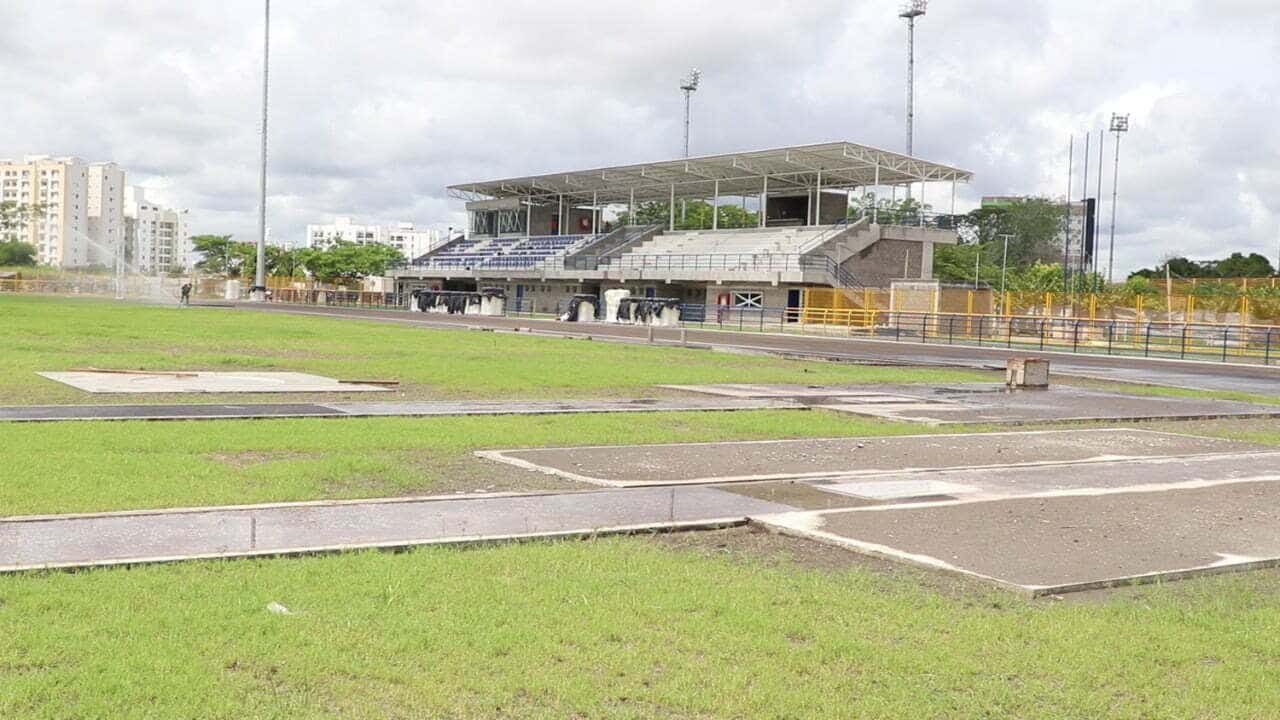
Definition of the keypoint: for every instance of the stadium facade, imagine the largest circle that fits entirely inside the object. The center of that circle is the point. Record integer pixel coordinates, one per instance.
(545, 238)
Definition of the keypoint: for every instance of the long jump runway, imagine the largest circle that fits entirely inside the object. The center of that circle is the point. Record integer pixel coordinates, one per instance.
(63, 541)
(224, 411)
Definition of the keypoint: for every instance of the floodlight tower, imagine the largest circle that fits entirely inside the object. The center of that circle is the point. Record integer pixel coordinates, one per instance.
(1119, 126)
(911, 10)
(259, 291)
(689, 85)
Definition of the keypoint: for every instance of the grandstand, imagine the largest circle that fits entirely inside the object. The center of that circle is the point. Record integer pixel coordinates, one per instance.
(548, 237)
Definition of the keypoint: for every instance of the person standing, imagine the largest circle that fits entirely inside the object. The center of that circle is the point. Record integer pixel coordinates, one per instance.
(186, 293)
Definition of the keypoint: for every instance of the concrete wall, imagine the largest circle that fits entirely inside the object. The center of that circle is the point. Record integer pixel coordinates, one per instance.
(888, 260)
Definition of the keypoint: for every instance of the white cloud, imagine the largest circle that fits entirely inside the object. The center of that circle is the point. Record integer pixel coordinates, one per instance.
(376, 106)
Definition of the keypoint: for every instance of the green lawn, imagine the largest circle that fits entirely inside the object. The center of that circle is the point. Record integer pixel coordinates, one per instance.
(45, 333)
(617, 628)
(62, 467)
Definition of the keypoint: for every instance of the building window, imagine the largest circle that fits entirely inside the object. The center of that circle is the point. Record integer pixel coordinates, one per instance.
(748, 299)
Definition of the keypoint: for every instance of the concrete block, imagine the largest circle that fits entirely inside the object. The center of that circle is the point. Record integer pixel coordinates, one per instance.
(1027, 373)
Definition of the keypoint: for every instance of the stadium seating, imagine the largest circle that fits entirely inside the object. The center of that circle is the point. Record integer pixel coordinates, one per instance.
(700, 247)
(505, 252)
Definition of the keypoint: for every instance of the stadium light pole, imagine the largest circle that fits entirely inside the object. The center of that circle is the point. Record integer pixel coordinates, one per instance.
(910, 11)
(1119, 126)
(259, 291)
(689, 85)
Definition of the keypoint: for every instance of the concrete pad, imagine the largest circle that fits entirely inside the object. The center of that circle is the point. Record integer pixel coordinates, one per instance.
(165, 535)
(993, 403)
(853, 393)
(206, 382)
(1064, 542)
(636, 465)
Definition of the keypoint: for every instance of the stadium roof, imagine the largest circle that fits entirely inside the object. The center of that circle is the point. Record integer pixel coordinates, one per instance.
(836, 165)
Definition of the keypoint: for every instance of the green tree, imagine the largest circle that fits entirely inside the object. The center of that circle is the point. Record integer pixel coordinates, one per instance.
(691, 215)
(15, 217)
(15, 253)
(349, 261)
(220, 256)
(1240, 266)
(288, 263)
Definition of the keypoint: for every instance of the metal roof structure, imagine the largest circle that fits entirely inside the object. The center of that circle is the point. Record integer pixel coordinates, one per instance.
(833, 165)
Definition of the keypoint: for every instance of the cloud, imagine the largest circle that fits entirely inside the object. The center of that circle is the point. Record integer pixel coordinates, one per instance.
(377, 106)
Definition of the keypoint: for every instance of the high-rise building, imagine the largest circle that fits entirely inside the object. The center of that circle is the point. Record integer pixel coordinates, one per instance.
(105, 205)
(409, 240)
(80, 218)
(58, 188)
(156, 236)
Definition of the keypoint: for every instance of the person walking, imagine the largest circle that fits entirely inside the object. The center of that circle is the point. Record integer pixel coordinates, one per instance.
(186, 293)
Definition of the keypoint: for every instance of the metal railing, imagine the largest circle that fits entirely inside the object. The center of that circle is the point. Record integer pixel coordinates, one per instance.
(1204, 341)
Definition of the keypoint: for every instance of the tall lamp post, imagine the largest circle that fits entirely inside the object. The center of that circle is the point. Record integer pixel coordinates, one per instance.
(259, 290)
(910, 11)
(1119, 126)
(689, 85)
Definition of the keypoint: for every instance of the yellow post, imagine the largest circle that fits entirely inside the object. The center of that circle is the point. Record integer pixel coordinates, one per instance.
(866, 298)
(1137, 308)
(1244, 309)
(1093, 306)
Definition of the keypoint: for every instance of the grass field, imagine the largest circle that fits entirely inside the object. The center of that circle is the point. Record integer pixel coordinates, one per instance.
(714, 625)
(617, 628)
(60, 467)
(43, 334)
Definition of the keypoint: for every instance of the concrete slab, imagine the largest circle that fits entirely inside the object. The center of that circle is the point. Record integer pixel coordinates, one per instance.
(1070, 541)
(626, 466)
(893, 489)
(209, 411)
(206, 382)
(154, 536)
(993, 403)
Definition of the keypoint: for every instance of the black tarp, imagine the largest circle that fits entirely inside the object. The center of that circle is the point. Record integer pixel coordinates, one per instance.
(455, 302)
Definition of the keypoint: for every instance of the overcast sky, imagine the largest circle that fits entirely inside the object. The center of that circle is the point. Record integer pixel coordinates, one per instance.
(378, 104)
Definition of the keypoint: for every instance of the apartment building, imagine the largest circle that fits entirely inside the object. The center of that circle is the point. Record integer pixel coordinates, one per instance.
(156, 236)
(409, 240)
(105, 205)
(81, 218)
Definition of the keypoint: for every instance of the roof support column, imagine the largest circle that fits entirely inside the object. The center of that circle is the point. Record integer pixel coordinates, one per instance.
(764, 203)
(671, 209)
(875, 209)
(595, 212)
(817, 201)
(560, 215)
(920, 213)
(528, 216)
(715, 207)
(631, 208)
(953, 193)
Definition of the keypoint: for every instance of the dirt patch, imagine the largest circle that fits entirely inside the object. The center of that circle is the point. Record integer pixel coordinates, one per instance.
(448, 473)
(755, 544)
